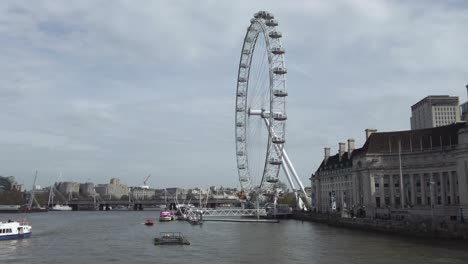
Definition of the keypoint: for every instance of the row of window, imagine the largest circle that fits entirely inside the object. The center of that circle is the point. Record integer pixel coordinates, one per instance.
(387, 201)
(445, 109)
(5, 230)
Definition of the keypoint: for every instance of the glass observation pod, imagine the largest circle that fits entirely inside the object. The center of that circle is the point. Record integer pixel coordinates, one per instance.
(240, 153)
(244, 65)
(243, 179)
(248, 39)
(264, 14)
(275, 161)
(240, 109)
(268, 15)
(275, 34)
(279, 116)
(242, 79)
(280, 92)
(252, 20)
(277, 50)
(246, 52)
(278, 140)
(241, 93)
(272, 23)
(272, 179)
(239, 124)
(279, 70)
(241, 167)
(240, 139)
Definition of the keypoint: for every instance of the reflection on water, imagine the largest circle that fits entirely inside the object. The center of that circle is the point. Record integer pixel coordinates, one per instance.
(9, 249)
(120, 237)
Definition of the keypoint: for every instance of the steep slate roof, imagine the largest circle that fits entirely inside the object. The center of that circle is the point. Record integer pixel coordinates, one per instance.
(333, 162)
(387, 142)
(413, 140)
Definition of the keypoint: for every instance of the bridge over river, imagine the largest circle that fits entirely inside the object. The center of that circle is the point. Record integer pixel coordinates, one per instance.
(139, 205)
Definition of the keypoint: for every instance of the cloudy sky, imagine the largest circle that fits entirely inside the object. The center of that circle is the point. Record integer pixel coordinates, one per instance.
(102, 89)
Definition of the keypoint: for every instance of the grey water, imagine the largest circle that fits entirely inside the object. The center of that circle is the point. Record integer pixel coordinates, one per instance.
(121, 237)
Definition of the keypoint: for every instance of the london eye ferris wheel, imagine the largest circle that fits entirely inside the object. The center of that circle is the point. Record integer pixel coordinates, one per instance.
(261, 106)
(260, 119)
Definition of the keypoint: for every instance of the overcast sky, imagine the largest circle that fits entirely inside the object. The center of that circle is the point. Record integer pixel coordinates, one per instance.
(102, 89)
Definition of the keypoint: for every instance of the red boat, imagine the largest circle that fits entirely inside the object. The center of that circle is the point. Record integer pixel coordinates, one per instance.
(149, 222)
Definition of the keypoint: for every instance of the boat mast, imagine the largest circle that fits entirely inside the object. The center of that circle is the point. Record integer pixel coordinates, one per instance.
(32, 192)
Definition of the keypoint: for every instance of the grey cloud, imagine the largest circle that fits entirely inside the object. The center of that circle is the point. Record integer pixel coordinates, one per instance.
(101, 89)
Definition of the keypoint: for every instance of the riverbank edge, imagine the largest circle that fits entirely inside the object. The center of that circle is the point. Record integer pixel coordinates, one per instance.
(455, 231)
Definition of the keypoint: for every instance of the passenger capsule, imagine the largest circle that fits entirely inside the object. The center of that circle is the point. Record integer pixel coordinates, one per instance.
(278, 140)
(268, 15)
(279, 70)
(275, 161)
(240, 124)
(277, 50)
(240, 93)
(239, 109)
(271, 23)
(279, 116)
(280, 92)
(246, 52)
(244, 179)
(272, 179)
(241, 167)
(275, 34)
(244, 65)
(242, 79)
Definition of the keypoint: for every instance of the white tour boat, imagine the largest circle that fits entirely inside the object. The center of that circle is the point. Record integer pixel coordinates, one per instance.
(60, 207)
(13, 229)
(165, 216)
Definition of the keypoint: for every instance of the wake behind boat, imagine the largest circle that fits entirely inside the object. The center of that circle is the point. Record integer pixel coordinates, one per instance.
(14, 229)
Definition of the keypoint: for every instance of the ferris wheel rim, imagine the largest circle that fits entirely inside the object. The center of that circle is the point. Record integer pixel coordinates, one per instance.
(275, 117)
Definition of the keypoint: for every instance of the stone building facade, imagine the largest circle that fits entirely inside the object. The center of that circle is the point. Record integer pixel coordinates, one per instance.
(112, 191)
(416, 171)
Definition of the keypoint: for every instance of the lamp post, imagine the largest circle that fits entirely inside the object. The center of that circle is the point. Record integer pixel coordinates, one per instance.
(431, 183)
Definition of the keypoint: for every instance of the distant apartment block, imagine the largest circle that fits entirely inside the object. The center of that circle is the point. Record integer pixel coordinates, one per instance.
(9, 184)
(113, 190)
(435, 111)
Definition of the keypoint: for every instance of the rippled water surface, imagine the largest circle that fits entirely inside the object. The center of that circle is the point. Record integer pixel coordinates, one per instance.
(121, 237)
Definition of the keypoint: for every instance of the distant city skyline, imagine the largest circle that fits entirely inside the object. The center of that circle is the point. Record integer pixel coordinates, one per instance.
(122, 89)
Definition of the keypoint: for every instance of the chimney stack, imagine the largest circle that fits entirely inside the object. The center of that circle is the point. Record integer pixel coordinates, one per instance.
(327, 154)
(350, 147)
(369, 132)
(341, 149)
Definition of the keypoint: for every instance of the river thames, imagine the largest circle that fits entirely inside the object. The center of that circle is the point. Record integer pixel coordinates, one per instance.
(121, 237)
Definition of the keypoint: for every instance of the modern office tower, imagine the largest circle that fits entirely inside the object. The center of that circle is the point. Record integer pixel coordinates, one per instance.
(435, 111)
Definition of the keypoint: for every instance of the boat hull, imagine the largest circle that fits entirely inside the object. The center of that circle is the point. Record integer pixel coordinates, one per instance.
(165, 218)
(15, 236)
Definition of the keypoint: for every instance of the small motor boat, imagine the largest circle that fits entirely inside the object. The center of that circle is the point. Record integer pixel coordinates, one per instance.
(149, 222)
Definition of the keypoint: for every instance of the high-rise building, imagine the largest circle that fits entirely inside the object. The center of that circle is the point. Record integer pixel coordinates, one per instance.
(435, 111)
(464, 109)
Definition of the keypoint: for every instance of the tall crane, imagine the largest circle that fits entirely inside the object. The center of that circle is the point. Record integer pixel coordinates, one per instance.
(144, 182)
